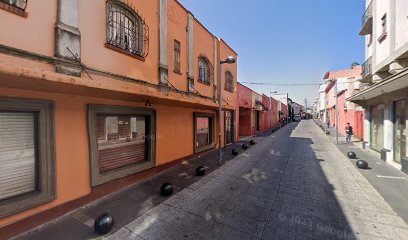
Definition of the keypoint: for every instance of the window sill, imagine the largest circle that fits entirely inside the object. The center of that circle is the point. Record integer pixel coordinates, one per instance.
(114, 48)
(229, 90)
(382, 37)
(202, 82)
(13, 9)
(178, 72)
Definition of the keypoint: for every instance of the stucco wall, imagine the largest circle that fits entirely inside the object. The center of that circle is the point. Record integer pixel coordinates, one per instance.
(38, 27)
(174, 141)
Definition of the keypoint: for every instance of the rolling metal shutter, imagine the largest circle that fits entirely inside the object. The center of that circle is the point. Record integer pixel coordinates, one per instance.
(17, 154)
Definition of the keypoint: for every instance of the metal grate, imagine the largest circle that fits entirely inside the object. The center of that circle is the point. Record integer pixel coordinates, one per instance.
(126, 29)
(21, 4)
(177, 51)
(229, 81)
(204, 70)
(367, 67)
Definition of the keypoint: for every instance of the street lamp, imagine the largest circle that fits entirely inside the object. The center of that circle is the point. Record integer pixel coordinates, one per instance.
(229, 60)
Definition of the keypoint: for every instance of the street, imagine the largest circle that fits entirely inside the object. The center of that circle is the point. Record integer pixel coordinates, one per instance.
(293, 184)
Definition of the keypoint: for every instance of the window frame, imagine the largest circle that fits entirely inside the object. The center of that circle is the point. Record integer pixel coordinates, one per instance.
(384, 33)
(177, 56)
(211, 131)
(98, 178)
(232, 85)
(209, 71)
(45, 154)
(14, 8)
(140, 31)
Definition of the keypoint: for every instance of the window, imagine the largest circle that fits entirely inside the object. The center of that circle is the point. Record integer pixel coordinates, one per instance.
(384, 28)
(204, 137)
(26, 154)
(126, 31)
(122, 141)
(204, 70)
(229, 81)
(15, 6)
(177, 56)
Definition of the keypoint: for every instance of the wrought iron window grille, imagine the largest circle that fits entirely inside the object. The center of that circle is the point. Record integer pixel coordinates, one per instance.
(205, 71)
(20, 4)
(229, 81)
(126, 29)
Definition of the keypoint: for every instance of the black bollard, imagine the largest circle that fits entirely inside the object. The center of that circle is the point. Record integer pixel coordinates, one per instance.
(234, 152)
(166, 189)
(362, 164)
(352, 155)
(244, 146)
(252, 142)
(103, 224)
(200, 171)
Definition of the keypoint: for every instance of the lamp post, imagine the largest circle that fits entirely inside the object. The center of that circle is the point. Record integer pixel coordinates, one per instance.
(270, 109)
(229, 60)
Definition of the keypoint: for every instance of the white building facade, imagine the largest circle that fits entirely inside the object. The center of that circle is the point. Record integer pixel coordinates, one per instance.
(385, 76)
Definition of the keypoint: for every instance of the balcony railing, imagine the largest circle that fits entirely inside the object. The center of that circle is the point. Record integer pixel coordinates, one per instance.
(367, 69)
(367, 25)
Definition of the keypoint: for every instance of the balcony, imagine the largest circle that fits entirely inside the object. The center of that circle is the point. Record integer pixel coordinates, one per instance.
(367, 27)
(367, 70)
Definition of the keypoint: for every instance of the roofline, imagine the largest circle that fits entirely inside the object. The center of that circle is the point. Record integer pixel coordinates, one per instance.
(226, 44)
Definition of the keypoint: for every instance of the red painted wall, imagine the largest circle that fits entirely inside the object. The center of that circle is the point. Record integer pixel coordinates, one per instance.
(245, 110)
(266, 114)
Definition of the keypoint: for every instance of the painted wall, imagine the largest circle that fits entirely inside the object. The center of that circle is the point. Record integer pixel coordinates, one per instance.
(266, 114)
(401, 37)
(92, 25)
(176, 30)
(174, 140)
(382, 48)
(203, 46)
(38, 25)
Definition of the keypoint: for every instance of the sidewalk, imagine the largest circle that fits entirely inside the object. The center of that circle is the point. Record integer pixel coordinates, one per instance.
(390, 182)
(133, 201)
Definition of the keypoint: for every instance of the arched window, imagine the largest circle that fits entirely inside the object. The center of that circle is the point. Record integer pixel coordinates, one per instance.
(229, 81)
(204, 70)
(126, 30)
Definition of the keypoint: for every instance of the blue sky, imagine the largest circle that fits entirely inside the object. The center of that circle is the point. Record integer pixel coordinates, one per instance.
(280, 41)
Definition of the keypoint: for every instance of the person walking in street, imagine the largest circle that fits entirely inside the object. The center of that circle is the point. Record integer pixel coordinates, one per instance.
(349, 132)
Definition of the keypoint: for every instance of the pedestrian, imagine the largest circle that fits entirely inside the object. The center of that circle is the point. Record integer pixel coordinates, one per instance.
(349, 132)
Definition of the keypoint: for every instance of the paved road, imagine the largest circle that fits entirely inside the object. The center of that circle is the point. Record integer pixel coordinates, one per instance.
(294, 184)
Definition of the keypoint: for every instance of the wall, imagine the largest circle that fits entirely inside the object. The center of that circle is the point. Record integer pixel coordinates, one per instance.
(382, 48)
(401, 23)
(176, 30)
(92, 25)
(266, 114)
(174, 141)
(203, 46)
(38, 25)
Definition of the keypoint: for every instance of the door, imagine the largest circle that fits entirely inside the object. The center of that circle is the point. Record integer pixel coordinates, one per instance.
(400, 130)
(229, 127)
(257, 121)
(377, 127)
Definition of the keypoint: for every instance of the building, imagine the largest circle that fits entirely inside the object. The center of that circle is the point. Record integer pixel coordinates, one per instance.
(257, 113)
(385, 76)
(97, 94)
(321, 103)
(339, 86)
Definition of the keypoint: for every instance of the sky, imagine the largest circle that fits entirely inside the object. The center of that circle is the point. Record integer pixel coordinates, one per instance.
(290, 42)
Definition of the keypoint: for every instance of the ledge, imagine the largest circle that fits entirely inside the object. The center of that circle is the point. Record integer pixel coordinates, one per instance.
(13, 9)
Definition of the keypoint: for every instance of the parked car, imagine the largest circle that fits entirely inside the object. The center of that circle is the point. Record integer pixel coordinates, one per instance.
(296, 118)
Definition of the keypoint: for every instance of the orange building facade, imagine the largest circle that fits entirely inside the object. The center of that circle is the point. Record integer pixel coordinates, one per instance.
(95, 92)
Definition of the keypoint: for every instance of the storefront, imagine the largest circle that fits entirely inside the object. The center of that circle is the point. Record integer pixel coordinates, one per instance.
(400, 130)
(377, 127)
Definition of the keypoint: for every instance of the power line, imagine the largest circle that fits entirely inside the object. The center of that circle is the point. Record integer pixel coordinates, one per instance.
(283, 84)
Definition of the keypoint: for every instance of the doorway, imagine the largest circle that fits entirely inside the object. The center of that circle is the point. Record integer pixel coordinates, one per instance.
(400, 130)
(229, 127)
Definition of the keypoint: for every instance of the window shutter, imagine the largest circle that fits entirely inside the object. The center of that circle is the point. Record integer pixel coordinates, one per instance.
(17, 154)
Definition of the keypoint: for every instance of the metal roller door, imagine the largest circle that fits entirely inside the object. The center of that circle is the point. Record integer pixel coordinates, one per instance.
(17, 154)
